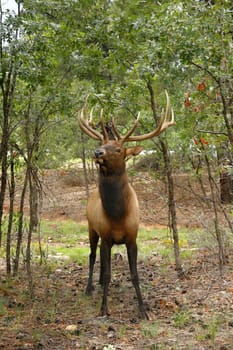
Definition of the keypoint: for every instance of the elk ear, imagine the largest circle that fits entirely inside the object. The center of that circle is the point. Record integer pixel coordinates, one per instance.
(133, 151)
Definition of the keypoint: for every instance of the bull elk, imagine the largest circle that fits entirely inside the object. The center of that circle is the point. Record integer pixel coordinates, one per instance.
(112, 209)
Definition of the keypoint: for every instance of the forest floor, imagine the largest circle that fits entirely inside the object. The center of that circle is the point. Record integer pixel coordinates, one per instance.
(194, 312)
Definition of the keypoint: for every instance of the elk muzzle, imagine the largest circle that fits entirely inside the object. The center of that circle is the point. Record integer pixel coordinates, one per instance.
(99, 153)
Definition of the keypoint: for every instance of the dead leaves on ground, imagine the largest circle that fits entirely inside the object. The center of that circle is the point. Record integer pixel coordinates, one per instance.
(190, 313)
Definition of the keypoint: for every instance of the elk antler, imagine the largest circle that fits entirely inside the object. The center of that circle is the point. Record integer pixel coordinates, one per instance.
(87, 129)
(164, 123)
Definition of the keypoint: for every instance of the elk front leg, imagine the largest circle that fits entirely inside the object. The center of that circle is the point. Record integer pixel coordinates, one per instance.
(105, 257)
(132, 257)
(101, 278)
(93, 238)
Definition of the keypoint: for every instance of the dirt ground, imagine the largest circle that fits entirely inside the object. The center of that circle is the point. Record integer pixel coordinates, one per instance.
(195, 312)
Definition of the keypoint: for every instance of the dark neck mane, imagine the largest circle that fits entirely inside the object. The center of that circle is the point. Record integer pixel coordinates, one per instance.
(114, 191)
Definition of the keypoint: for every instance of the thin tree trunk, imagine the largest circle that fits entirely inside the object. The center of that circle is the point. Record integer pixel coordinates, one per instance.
(8, 88)
(199, 177)
(20, 225)
(32, 225)
(219, 238)
(10, 218)
(4, 151)
(171, 196)
(7, 84)
(223, 209)
(35, 190)
(172, 207)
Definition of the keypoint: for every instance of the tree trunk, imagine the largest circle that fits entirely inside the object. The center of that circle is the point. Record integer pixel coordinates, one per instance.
(226, 187)
(196, 168)
(171, 196)
(20, 225)
(4, 151)
(214, 200)
(172, 207)
(11, 215)
(8, 88)
(35, 193)
(33, 225)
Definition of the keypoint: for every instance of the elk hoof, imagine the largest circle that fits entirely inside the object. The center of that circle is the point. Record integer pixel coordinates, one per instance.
(104, 311)
(89, 290)
(143, 313)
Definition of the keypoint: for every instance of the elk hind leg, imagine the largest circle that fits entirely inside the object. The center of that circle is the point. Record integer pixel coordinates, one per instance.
(105, 256)
(93, 238)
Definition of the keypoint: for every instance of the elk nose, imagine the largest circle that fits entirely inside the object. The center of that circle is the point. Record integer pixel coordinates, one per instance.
(99, 152)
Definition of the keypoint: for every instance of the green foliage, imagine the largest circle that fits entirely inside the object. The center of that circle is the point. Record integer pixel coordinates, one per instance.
(110, 51)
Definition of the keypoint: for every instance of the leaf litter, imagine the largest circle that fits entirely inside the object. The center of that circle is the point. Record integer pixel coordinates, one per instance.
(195, 312)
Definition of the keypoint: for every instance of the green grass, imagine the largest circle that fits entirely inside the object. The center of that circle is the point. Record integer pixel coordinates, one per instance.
(76, 254)
(2, 306)
(150, 329)
(68, 232)
(182, 318)
(212, 327)
(69, 240)
(64, 240)
(159, 242)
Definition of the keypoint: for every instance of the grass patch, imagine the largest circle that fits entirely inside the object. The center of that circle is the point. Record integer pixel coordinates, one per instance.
(2, 306)
(69, 240)
(153, 241)
(150, 329)
(63, 241)
(68, 231)
(212, 327)
(76, 254)
(182, 318)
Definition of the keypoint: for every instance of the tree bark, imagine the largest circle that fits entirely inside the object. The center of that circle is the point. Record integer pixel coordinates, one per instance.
(171, 196)
(218, 233)
(33, 225)
(226, 187)
(4, 151)
(20, 225)
(172, 206)
(11, 215)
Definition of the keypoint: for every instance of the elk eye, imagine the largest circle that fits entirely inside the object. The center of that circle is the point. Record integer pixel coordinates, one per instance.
(118, 150)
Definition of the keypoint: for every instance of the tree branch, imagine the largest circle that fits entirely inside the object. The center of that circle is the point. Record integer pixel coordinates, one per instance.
(212, 132)
(208, 72)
